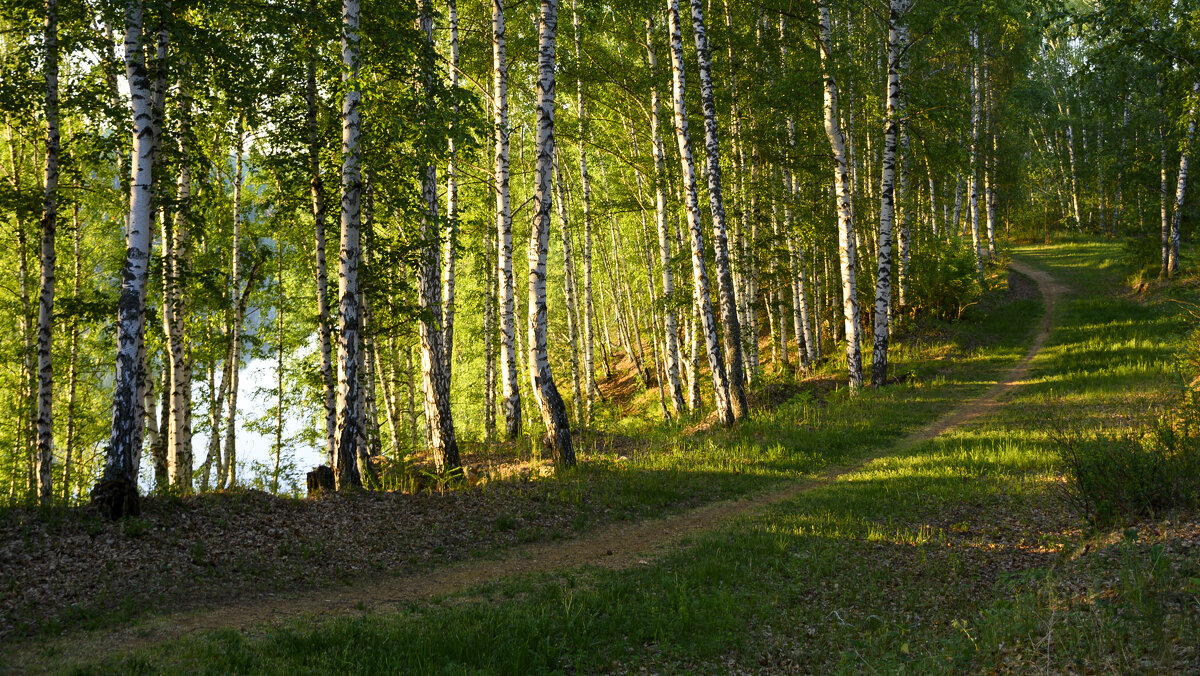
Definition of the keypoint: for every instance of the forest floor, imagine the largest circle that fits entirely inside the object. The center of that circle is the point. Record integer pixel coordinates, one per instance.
(916, 546)
(614, 547)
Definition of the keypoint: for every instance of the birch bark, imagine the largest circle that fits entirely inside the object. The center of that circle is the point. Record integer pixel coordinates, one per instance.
(846, 239)
(732, 329)
(585, 183)
(435, 375)
(235, 328)
(116, 493)
(671, 328)
(349, 415)
(45, 413)
(700, 290)
(973, 216)
(554, 411)
(317, 189)
(511, 394)
(450, 254)
(1181, 182)
(887, 192)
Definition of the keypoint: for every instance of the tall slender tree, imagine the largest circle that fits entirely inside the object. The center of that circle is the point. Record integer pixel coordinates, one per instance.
(554, 411)
(45, 413)
(700, 290)
(511, 393)
(434, 368)
(844, 195)
(349, 415)
(116, 494)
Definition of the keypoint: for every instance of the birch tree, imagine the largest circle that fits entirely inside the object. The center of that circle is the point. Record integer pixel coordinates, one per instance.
(887, 191)
(1181, 182)
(45, 413)
(116, 494)
(729, 318)
(317, 190)
(349, 415)
(554, 411)
(436, 376)
(700, 290)
(511, 394)
(671, 328)
(842, 188)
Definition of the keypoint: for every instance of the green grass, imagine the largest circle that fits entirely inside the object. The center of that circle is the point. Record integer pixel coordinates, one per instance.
(955, 555)
(666, 471)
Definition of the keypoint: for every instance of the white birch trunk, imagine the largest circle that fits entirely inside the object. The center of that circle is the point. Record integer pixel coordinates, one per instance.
(989, 164)
(569, 297)
(511, 393)
(973, 216)
(846, 240)
(1181, 182)
(317, 188)
(116, 493)
(904, 209)
(73, 356)
(45, 414)
(235, 328)
(700, 288)
(349, 415)
(585, 183)
(436, 377)
(554, 411)
(732, 333)
(887, 192)
(671, 328)
(449, 254)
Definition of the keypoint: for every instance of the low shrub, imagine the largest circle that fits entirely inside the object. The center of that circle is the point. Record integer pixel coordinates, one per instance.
(1116, 478)
(944, 280)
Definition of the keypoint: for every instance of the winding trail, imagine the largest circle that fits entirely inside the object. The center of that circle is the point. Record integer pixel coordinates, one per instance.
(617, 546)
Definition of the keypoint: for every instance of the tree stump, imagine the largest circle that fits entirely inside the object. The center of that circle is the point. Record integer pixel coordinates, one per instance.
(116, 498)
(320, 479)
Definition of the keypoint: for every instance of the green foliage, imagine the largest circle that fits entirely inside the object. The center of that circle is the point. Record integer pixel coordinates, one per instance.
(944, 278)
(1136, 474)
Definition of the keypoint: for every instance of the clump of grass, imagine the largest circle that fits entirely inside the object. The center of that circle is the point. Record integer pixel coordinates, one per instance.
(1136, 474)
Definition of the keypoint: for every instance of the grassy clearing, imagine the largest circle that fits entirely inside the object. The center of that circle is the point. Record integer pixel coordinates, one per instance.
(225, 552)
(954, 555)
(817, 428)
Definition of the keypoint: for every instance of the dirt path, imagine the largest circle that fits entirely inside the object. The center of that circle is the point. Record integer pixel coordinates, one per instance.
(616, 546)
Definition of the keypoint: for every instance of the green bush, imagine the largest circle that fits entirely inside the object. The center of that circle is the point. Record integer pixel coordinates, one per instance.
(1115, 478)
(1143, 255)
(944, 280)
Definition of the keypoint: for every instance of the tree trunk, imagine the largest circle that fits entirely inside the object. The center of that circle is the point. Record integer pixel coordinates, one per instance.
(887, 192)
(729, 319)
(116, 493)
(903, 208)
(73, 357)
(511, 393)
(554, 412)
(569, 296)
(700, 290)
(846, 241)
(435, 375)
(585, 182)
(45, 415)
(349, 415)
(450, 254)
(235, 327)
(973, 216)
(671, 331)
(1181, 183)
(317, 188)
